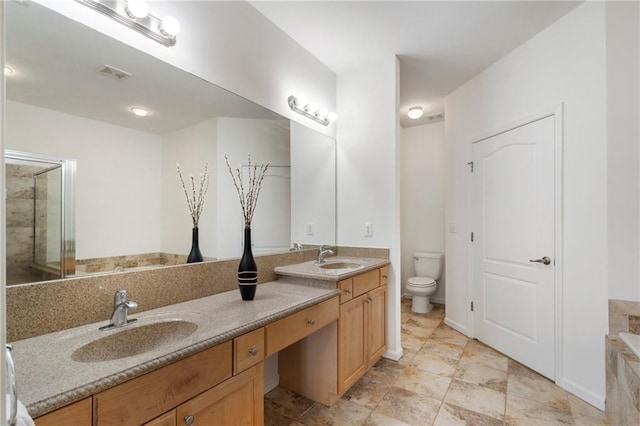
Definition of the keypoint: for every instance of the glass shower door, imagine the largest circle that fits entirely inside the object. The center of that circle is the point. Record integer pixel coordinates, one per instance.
(48, 220)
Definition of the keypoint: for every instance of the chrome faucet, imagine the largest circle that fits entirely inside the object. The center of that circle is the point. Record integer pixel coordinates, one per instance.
(322, 252)
(121, 308)
(296, 247)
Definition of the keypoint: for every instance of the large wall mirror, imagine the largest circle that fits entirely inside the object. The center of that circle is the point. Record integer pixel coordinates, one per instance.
(69, 97)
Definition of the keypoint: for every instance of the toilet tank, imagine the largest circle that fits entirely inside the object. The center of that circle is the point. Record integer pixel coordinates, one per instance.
(428, 264)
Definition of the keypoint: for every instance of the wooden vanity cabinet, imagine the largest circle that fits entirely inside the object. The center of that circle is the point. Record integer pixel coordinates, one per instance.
(76, 414)
(362, 327)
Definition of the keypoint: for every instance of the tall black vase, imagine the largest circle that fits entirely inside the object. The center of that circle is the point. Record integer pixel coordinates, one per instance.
(247, 270)
(194, 254)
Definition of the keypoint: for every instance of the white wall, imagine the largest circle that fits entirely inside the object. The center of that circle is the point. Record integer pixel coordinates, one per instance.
(623, 153)
(422, 170)
(313, 186)
(564, 63)
(368, 176)
(191, 147)
(229, 44)
(266, 141)
(117, 191)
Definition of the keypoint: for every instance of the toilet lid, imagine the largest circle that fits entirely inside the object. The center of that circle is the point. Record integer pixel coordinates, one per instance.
(422, 281)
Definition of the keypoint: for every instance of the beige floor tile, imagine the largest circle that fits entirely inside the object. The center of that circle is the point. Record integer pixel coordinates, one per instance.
(416, 330)
(478, 374)
(342, 413)
(409, 407)
(287, 403)
(521, 411)
(449, 335)
(410, 342)
(273, 418)
(435, 364)
(441, 349)
(481, 354)
(476, 398)
(451, 415)
(424, 321)
(585, 414)
(528, 384)
(423, 383)
(370, 389)
(377, 419)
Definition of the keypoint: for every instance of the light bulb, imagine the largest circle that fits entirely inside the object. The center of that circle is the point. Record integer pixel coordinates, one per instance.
(302, 101)
(332, 116)
(323, 113)
(8, 70)
(415, 112)
(137, 9)
(139, 111)
(170, 26)
(312, 108)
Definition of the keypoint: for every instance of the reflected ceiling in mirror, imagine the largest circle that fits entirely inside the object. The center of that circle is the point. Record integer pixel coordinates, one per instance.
(70, 96)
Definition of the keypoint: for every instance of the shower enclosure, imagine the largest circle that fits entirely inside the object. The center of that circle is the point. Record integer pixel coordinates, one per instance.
(40, 217)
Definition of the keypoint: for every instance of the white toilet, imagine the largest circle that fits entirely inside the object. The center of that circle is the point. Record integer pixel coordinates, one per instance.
(429, 269)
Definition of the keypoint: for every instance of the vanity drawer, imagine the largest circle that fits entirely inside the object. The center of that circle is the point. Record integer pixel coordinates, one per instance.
(248, 350)
(146, 397)
(346, 287)
(384, 275)
(289, 330)
(366, 282)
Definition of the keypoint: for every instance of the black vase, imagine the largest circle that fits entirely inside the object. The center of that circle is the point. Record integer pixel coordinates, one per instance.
(194, 254)
(247, 270)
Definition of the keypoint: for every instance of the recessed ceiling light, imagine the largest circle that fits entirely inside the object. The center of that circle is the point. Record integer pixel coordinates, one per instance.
(415, 112)
(8, 70)
(139, 111)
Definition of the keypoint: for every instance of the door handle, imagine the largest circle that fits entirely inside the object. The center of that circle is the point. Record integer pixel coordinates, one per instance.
(545, 260)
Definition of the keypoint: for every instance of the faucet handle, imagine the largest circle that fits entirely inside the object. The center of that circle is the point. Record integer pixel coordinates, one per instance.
(120, 297)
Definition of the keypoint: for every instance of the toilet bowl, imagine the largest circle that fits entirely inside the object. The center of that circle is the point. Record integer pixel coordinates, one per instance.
(429, 269)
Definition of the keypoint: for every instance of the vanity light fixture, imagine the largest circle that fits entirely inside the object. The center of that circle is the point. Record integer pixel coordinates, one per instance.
(415, 112)
(139, 111)
(135, 14)
(8, 70)
(311, 110)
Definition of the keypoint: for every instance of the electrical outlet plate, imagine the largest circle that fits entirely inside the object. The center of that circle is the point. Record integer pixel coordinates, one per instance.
(310, 228)
(368, 229)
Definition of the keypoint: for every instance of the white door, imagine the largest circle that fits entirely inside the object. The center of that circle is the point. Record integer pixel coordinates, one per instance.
(513, 244)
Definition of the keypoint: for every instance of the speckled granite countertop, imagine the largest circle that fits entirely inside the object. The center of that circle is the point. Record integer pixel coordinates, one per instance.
(313, 271)
(48, 377)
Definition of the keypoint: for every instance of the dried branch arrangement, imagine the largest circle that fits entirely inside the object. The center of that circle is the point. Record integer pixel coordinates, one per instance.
(195, 202)
(248, 194)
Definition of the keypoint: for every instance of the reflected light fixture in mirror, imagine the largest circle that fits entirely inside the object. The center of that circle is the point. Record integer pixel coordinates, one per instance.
(8, 70)
(415, 112)
(135, 14)
(311, 110)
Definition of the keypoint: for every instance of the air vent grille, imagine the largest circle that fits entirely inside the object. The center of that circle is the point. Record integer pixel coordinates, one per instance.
(113, 72)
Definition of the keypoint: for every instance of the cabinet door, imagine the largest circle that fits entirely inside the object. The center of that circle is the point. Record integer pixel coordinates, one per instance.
(237, 401)
(351, 357)
(375, 324)
(76, 414)
(167, 419)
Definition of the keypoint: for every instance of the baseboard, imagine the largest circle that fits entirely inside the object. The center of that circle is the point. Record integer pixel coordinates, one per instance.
(393, 355)
(438, 300)
(582, 393)
(458, 327)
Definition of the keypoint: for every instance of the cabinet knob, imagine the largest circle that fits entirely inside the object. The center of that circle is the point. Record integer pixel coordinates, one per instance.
(188, 420)
(311, 322)
(253, 351)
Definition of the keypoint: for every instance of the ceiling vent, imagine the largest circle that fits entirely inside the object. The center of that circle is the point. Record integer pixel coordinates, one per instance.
(435, 117)
(113, 72)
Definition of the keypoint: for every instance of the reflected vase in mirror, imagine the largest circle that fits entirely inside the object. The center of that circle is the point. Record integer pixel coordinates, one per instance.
(194, 254)
(247, 270)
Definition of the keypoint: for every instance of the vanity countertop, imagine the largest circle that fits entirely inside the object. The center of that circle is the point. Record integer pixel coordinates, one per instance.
(314, 271)
(48, 377)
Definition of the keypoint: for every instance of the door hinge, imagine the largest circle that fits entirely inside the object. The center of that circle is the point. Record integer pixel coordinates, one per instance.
(470, 164)
(471, 306)
(472, 237)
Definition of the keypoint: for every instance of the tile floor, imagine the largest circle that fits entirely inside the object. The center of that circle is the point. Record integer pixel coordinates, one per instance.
(444, 378)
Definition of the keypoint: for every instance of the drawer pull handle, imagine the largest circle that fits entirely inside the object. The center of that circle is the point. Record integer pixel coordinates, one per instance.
(311, 322)
(368, 299)
(253, 351)
(347, 291)
(188, 420)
